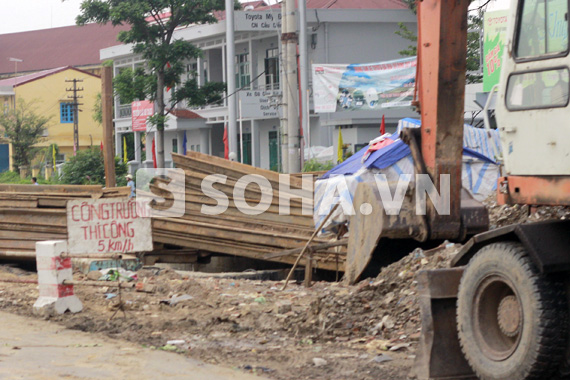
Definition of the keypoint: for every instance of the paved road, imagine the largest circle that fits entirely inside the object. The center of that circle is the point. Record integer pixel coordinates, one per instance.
(33, 349)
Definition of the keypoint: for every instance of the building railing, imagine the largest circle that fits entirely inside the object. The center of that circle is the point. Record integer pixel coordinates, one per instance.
(124, 111)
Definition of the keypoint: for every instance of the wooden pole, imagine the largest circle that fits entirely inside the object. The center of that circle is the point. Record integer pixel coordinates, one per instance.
(309, 271)
(308, 243)
(107, 111)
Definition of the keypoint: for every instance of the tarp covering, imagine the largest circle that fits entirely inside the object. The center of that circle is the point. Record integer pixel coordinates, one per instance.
(476, 139)
(479, 170)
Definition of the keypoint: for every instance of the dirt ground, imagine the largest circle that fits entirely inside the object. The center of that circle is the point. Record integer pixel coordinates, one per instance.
(33, 349)
(329, 331)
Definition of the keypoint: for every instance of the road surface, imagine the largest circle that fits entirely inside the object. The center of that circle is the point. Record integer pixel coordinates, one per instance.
(34, 349)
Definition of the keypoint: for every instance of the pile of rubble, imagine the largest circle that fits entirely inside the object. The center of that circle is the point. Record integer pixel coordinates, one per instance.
(384, 307)
(503, 215)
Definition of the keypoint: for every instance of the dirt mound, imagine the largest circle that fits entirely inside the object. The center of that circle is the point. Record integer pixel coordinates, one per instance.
(385, 307)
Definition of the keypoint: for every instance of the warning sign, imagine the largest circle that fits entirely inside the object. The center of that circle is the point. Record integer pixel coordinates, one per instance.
(108, 226)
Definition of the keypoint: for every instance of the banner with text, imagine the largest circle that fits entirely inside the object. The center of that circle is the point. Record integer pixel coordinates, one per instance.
(140, 112)
(370, 86)
(494, 38)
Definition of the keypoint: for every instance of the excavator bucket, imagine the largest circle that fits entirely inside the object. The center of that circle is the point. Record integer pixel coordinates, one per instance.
(373, 222)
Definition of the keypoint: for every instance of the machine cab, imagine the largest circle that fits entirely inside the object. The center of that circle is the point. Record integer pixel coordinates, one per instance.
(532, 109)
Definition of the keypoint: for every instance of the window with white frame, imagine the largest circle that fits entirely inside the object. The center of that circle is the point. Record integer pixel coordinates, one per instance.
(272, 69)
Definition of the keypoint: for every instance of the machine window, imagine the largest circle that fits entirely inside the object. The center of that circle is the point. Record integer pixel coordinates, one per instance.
(540, 89)
(543, 28)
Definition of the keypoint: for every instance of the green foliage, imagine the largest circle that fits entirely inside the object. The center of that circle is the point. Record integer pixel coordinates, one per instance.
(474, 47)
(14, 178)
(98, 110)
(24, 128)
(87, 168)
(165, 57)
(313, 165)
(407, 34)
(475, 24)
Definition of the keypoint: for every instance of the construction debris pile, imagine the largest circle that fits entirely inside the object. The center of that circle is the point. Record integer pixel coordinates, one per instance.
(35, 213)
(267, 235)
(503, 215)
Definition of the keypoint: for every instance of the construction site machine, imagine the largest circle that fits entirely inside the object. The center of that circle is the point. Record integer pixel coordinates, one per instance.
(501, 312)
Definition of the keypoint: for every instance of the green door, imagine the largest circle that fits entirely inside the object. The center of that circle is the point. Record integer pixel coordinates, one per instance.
(274, 151)
(246, 148)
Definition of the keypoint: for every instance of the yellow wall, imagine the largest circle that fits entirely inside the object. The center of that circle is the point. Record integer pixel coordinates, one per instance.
(49, 92)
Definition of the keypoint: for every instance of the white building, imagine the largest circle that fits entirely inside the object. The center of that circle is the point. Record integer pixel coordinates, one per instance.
(339, 31)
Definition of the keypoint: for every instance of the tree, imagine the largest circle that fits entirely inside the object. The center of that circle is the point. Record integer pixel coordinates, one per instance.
(24, 128)
(153, 23)
(88, 168)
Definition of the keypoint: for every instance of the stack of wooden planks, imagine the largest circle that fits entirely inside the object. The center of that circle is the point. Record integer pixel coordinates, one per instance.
(30, 213)
(266, 236)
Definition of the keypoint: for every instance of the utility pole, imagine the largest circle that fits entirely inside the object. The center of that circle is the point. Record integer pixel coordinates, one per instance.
(107, 111)
(290, 121)
(231, 79)
(284, 138)
(75, 107)
(292, 89)
(303, 68)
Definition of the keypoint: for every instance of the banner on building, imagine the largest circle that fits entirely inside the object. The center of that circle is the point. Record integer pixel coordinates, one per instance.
(494, 38)
(140, 111)
(370, 86)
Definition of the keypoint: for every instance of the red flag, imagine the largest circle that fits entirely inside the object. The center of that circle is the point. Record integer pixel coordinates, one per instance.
(101, 146)
(153, 154)
(226, 145)
(382, 126)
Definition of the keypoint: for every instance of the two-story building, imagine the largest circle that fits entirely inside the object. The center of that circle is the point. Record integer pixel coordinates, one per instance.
(339, 31)
(49, 93)
(38, 62)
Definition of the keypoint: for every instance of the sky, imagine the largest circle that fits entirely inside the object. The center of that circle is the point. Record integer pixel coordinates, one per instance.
(24, 15)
